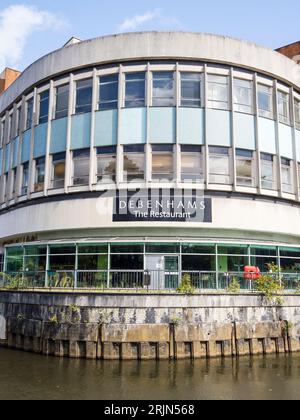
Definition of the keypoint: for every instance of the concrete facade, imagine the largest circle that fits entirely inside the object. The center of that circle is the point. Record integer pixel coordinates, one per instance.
(145, 327)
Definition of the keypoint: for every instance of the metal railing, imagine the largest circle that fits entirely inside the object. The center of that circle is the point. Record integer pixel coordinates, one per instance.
(156, 280)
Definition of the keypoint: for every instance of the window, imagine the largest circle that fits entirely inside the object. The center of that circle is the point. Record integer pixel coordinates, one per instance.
(243, 95)
(29, 113)
(25, 179)
(109, 92)
(58, 170)
(265, 101)
(245, 168)
(287, 176)
(18, 121)
(62, 102)
(191, 89)
(218, 92)
(2, 131)
(191, 164)
(44, 107)
(39, 179)
(106, 164)
(162, 163)
(81, 167)
(284, 107)
(219, 165)
(134, 163)
(297, 112)
(10, 128)
(84, 96)
(268, 171)
(163, 89)
(135, 90)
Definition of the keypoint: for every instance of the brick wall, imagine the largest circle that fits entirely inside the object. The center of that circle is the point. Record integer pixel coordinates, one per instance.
(7, 78)
(291, 50)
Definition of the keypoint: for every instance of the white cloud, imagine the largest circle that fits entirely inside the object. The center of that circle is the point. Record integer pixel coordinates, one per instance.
(17, 23)
(136, 21)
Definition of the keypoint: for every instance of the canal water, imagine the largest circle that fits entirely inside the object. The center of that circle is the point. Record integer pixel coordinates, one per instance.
(29, 376)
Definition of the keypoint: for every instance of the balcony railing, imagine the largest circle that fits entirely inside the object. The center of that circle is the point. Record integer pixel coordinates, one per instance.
(155, 280)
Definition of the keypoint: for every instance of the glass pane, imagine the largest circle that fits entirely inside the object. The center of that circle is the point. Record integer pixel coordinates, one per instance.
(81, 171)
(163, 89)
(36, 250)
(127, 248)
(162, 166)
(196, 263)
(92, 262)
(263, 250)
(62, 249)
(62, 262)
(127, 262)
(265, 101)
(62, 101)
(44, 107)
(134, 167)
(290, 252)
(84, 95)
(243, 95)
(92, 249)
(219, 167)
(191, 89)
(191, 166)
(198, 249)
(35, 263)
(135, 90)
(162, 249)
(109, 91)
(106, 168)
(263, 262)
(171, 263)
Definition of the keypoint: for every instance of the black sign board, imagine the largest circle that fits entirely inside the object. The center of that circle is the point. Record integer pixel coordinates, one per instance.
(162, 206)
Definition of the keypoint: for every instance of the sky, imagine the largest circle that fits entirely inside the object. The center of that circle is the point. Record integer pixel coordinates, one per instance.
(30, 29)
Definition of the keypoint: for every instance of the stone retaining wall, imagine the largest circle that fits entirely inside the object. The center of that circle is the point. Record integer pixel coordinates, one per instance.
(126, 327)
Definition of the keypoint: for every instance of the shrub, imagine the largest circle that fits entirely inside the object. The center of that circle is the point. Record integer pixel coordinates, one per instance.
(186, 286)
(234, 286)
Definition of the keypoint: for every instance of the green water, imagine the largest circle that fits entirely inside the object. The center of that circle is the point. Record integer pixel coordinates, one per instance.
(29, 376)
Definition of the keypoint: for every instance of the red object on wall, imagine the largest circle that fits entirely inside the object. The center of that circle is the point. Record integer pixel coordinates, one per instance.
(252, 273)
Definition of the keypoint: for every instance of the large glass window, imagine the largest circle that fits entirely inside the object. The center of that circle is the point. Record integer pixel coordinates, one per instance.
(29, 113)
(25, 179)
(14, 259)
(245, 168)
(287, 175)
(162, 163)
(163, 89)
(265, 101)
(58, 170)
(106, 164)
(84, 96)
(297, 112)
(191, 89)
(39, 179)
(243, 95)
(127, 262)
(162, 248)
(62, 101)
(81, 167)
(219, 165)
(109, 92)
(290, 260)
(218, 92)
(268, 171)
(43, 107)
(135, 90)
(134, 163)
(196, 263)
(284, 107)
(191, 164)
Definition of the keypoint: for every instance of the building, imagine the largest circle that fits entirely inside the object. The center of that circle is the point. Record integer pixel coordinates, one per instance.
(205, 129)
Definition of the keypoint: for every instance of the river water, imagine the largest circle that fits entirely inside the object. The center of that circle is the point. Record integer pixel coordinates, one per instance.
(29, 376)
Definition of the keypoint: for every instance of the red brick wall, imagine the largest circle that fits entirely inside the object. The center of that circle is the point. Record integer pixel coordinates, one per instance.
(290, 50)
(7, 78)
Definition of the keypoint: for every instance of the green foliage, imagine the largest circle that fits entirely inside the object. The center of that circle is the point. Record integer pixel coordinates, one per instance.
(270, 285)
(53, 319)
(13, 282)
(234, 286)
(64, 281)
(186, 286)
(20, 317)
(175, 320)
(74, 309)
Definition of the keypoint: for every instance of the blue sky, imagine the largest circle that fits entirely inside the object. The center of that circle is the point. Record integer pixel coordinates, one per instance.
(31, 28)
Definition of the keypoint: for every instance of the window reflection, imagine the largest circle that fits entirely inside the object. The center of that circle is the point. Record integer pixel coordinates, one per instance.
(245, 168)
(163, 89)
(162, 163)
(106, 164)
(219, 165)
(84, 96)
(135, 90)
(134, 163)
(218, 92)
(191, 164)
(191, 89)
(108, 92)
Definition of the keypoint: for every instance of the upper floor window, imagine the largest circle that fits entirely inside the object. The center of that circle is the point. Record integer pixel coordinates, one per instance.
(58, 170)
(297, 113)
(109, 92)
(284, 107)
(29, 113)
(265, 101)
(25, 179)
(135, 90)
(162, 163)
(218, 92)
(268, 171)
(43, 107)
(243, 95)
(84, 96)
(62, 101)
(191, 164)
(106, 164)
(163, 89)
(219, 165)
(18, 127)
(245, 168)
(2, 131)
(287, 175)
(81, 167)
(191, 89)
(10, 127)
(39, 176)
(134, 163)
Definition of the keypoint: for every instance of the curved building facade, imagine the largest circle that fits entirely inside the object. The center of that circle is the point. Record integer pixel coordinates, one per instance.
(158, 153)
